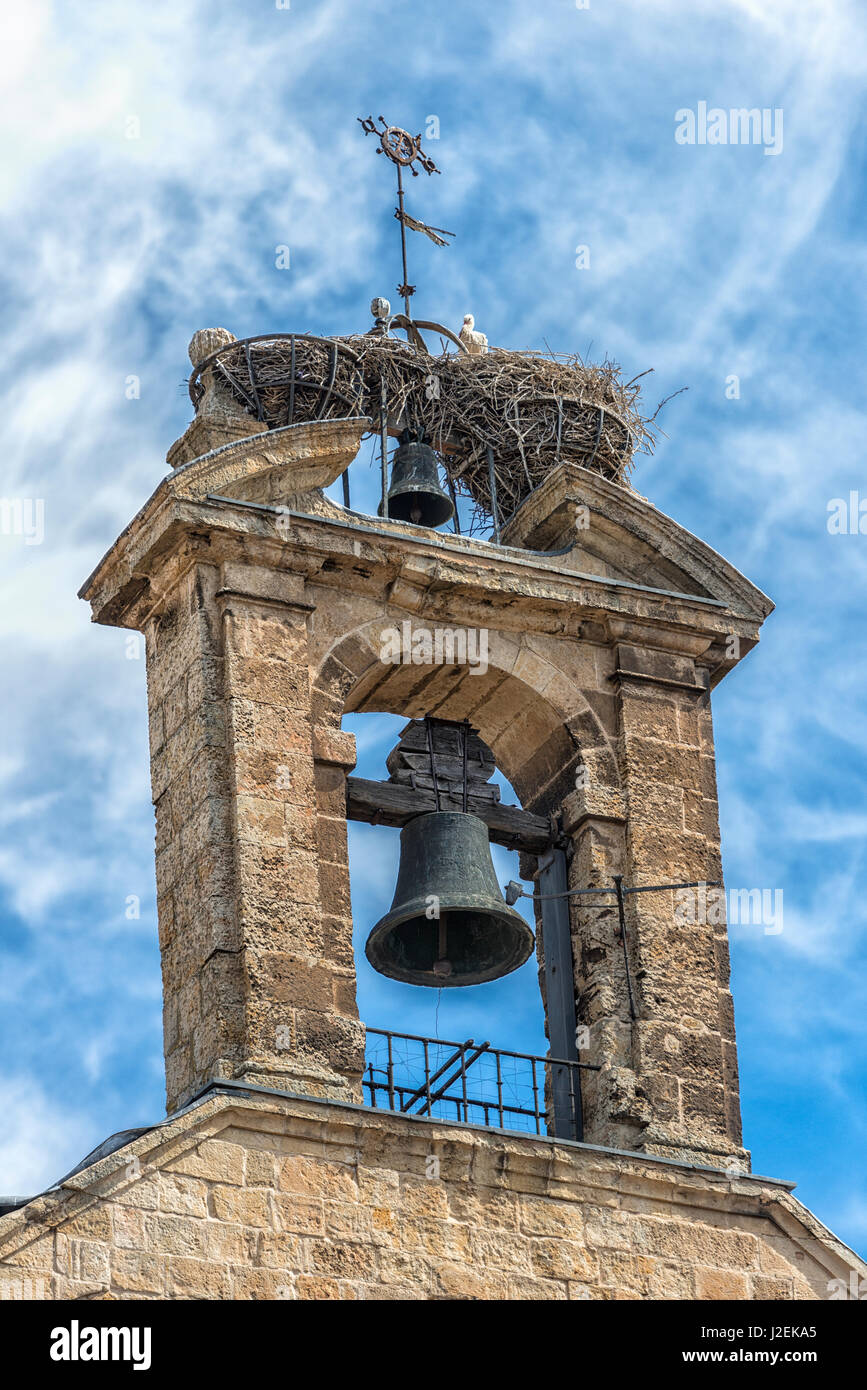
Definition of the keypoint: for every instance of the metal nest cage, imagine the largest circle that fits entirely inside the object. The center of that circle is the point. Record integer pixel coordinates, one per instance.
(534, 410)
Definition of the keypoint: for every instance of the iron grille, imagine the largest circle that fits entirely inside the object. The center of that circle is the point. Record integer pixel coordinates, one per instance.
(474, 1083)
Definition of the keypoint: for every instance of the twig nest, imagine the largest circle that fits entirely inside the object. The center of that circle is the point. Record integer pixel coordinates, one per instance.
(534, 410)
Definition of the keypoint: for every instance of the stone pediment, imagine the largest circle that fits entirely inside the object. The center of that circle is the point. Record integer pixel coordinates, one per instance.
(616, 533)
(254, 1195)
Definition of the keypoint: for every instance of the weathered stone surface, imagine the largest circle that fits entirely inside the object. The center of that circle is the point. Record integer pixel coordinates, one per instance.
(268, 1198)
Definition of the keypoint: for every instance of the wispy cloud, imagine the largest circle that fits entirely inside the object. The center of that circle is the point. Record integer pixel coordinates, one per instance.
(154, 159)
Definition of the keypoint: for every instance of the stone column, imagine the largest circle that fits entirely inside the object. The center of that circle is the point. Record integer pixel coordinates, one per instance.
(683, 1051)
(668, 1083)
(602, 1010)
(253, 990)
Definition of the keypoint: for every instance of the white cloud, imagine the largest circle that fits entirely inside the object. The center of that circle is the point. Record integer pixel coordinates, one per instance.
(37, 1138)
(557, 129)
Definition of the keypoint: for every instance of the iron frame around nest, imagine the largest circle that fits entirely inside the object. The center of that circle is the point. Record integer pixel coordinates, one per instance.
(324, 388)
(292, 380)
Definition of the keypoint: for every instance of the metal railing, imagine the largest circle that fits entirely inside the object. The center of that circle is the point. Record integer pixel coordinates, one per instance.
(294, 374)
(474, 1083)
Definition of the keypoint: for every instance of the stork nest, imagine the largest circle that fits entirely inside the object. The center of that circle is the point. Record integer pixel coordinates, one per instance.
(534, 410)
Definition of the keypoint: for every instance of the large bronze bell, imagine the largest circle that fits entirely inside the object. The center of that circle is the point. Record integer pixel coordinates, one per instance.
(415, 493)
(448, 924)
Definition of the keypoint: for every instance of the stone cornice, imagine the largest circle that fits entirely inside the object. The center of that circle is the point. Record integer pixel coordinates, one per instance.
(458, 578)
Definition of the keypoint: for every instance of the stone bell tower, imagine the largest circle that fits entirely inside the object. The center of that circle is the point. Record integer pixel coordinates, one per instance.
(263, 606)
(606, 625)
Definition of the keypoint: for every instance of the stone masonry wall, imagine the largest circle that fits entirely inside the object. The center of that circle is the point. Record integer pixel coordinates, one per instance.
(263, 629)
(253, 1197)
(256, 983)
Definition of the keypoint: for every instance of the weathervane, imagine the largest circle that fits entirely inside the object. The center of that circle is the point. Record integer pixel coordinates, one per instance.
(404, 150)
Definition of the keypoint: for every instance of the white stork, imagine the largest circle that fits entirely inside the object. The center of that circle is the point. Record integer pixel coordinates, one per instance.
(475, 343)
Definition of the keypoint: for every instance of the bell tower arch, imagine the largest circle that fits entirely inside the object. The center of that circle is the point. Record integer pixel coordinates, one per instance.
(524, 699)
(586, 666)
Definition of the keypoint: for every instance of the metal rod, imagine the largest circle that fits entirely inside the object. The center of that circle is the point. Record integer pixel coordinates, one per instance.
(499, 1087)
(536, 1098)
(405, 285)
(569, 893)
(449, 1062)
(346, 501)
(383, 444)
(291, 410)
(577, 1104)
(492, 482)
(427, 1072)
(453, 495)
(618, 883)
(651, 888)
(390, 1074)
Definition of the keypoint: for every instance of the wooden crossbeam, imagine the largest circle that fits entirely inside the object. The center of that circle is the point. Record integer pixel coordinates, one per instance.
(392, 803)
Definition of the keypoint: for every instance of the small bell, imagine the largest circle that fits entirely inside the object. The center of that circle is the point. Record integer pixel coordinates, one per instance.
(448, 924)
(415, 494)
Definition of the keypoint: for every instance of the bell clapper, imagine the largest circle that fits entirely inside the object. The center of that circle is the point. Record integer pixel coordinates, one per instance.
(442, 966)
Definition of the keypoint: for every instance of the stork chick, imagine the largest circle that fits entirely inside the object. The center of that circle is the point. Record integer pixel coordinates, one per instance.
(475, 343)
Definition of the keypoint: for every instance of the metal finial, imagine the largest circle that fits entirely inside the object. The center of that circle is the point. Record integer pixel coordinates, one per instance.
(404, 151)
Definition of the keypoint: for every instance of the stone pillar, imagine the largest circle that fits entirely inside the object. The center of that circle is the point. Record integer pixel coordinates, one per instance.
(683, 1037)
(600, 978)
(669, 1079)
(255, 989)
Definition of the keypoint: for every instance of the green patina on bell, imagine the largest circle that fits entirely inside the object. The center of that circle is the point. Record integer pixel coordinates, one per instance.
(415, 494)
(446, 868)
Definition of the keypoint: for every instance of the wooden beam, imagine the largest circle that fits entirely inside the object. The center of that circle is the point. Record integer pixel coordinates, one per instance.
(392, 803)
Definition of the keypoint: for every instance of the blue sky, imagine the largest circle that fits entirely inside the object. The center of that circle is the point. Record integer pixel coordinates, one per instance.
(557, 130)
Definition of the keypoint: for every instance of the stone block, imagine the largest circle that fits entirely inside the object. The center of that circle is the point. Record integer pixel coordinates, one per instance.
(133, 1272)
(197, 1279)
(242, 1207)
(720, 1285)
